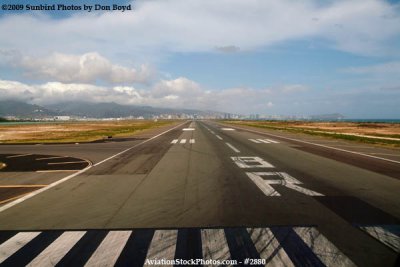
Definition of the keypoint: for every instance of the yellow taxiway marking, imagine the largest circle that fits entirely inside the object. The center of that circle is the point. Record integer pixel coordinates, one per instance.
(57, 171)
(10, 199)
(22, 185)
(16, 156)
(68, 162)
(50, 158)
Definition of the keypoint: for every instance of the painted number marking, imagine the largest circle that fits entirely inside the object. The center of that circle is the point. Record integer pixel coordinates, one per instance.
(280, 178)
(251, 162)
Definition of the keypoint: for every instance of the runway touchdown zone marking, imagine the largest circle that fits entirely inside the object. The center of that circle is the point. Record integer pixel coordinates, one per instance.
(265, 141)
(183, 141)
(279, 246)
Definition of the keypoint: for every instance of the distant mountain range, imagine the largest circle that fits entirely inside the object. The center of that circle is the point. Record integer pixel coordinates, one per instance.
(90, 110)
(21, 109)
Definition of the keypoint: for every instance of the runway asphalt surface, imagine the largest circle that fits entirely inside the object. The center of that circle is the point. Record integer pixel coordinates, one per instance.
(203, 190)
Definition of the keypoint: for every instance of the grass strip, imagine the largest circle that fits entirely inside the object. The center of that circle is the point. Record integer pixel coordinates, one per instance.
(343, 136)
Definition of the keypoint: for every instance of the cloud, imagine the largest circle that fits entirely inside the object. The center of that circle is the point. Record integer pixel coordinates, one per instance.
(294, 88)
(228, 49)
(185, 93)
(383, 68)
(88, 67)
(178, 93)
(356, 26)
(395, 88)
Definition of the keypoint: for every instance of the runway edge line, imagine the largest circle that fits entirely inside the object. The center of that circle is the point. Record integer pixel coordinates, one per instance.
(32, 194)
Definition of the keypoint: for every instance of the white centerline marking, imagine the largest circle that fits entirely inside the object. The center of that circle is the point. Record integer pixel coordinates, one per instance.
(174, 141)
(306, 142)
(27, 196)
(263, 141)
(219, 137)
(233, 148)
(227, 129)
(192, 141)
(188, 129)
(182, 141)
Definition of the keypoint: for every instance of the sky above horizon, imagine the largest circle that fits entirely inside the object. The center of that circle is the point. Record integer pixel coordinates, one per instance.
(269, 57)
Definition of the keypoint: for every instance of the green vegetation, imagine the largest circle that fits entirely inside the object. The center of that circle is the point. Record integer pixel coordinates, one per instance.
(3, 119)
(285, 126)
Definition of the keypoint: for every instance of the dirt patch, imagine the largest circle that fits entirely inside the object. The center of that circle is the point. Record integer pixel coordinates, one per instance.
(73, 131)
(382, 129)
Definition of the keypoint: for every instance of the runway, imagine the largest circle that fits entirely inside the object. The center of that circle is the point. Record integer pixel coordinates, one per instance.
(204, 190)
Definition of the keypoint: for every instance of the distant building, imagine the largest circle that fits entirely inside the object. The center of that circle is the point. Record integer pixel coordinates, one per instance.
(62, 118)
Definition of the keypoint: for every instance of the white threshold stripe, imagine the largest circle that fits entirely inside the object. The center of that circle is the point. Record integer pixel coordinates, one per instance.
(192, 141)
(109, 249)
(67, 162)
(263, 141)
(384, 236)
(163, 245)
(326, 251)
(57, 250)
(269, 247)
(272, 141)
(183, 141)
(254, 141)
(17, 156)
(310, 143)
(34, 193)
(214, 245)
(233, 148)
(219, 137)
(51, 158)
(16, 242)
(174, 141)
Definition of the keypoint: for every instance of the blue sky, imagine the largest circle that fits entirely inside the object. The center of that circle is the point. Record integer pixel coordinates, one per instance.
(258, 56)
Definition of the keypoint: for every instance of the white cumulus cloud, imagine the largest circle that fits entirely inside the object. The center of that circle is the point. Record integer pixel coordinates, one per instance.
(175, 93)
(88, 67)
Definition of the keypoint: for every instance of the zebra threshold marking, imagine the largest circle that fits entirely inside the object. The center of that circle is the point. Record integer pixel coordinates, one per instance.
(275, 246)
